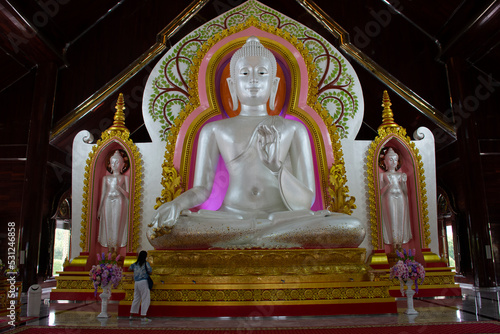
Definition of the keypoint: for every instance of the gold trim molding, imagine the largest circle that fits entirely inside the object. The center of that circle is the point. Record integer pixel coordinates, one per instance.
(111, 87)
(402, 90)
(276, 294)
(218, 266)
(162, 38)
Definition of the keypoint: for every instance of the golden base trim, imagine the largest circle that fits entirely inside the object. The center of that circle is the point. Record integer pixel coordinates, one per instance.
(346, 264)
(262, 286)
(428, 287)
(431, 257)
(378, 259)
(129, 260)
(85, 290)
(254, 293)
(79, 261)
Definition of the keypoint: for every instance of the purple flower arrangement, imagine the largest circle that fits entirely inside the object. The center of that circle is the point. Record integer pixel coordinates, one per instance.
(407, 268)
(106, 272)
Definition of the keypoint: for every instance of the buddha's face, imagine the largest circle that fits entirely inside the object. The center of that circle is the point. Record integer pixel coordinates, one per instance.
(391, 161)
(116, 164)
(253, 80)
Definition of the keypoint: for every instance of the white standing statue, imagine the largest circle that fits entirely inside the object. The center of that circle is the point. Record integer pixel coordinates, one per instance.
(394, 202)
(114, 205)
(271, 176)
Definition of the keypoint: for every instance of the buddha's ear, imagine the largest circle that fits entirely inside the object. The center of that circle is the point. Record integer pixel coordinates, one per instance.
(274, 91)
(232, 92)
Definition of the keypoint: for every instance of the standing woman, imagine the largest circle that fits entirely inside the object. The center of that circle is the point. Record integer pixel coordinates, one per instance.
(142, 269)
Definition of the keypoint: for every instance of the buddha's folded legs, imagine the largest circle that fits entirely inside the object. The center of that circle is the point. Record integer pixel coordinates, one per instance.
(306, 229)
(330, 230)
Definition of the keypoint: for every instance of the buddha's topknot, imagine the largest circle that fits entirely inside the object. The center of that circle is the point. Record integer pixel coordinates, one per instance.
(252, 47)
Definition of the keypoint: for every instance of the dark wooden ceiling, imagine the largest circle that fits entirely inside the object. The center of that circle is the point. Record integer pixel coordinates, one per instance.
(92, 41)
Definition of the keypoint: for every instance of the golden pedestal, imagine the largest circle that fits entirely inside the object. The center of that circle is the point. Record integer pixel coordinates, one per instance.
(237, 266)
(258, 282)
(73, 283)
(439, 278)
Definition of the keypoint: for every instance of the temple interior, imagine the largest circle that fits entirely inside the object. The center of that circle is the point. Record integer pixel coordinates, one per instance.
(79, 86)
(474, 305)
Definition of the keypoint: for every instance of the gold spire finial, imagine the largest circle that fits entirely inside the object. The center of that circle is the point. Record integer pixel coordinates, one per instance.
(119, 119)
(387, 115)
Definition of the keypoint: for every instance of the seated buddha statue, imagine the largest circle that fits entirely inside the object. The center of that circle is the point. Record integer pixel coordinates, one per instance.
(271, 176)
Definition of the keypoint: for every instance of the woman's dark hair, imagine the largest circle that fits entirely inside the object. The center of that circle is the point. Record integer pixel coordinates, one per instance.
(141, 259)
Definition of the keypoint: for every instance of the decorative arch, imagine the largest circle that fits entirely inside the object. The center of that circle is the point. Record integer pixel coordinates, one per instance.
(392, 135)
(303, 105)
(114, 138)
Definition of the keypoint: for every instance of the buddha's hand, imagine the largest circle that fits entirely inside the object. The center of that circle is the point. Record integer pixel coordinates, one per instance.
(269, 139)
(167, 215)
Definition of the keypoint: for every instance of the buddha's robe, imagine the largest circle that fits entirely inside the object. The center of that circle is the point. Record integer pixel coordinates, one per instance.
(247, 220)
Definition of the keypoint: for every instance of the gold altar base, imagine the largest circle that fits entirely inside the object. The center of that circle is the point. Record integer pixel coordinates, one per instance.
(258, 282)
(234, 266)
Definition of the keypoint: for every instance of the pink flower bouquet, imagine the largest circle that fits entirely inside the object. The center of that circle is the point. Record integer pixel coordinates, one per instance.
(408, 269)
(106, 272)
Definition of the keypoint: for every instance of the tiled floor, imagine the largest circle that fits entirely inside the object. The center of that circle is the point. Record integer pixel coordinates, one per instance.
(473, 305)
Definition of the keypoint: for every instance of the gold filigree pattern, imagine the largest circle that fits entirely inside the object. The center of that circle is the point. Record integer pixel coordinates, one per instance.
(74, 284)
(387, 131)
(120, 134)
(243, 265)
(433, 279)
(81, 283)
(339, 200)
(173, 186)
(275, 294)
(337, 190)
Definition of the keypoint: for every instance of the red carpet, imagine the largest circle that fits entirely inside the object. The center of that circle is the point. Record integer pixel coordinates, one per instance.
(447, 328)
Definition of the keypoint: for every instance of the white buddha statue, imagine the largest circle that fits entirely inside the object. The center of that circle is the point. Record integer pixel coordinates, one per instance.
(394, 203)
(271, 176)
(114, 205)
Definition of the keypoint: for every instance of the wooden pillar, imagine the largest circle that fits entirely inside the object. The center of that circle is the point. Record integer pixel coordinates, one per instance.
(36, 168)
(476, 209)
(26, 44)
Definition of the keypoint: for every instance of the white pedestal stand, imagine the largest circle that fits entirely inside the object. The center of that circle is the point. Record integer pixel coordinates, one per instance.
(409, 298)
(106, 293)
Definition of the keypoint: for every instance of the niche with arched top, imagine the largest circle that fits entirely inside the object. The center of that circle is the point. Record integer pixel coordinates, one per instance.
(409, 164)
(97, 169)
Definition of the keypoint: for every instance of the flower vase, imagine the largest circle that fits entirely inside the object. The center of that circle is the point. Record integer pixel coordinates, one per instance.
(106, 293)
(409, 298)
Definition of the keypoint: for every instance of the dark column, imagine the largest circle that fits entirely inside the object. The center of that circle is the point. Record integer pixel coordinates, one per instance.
(35, 175)
(475, 201)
